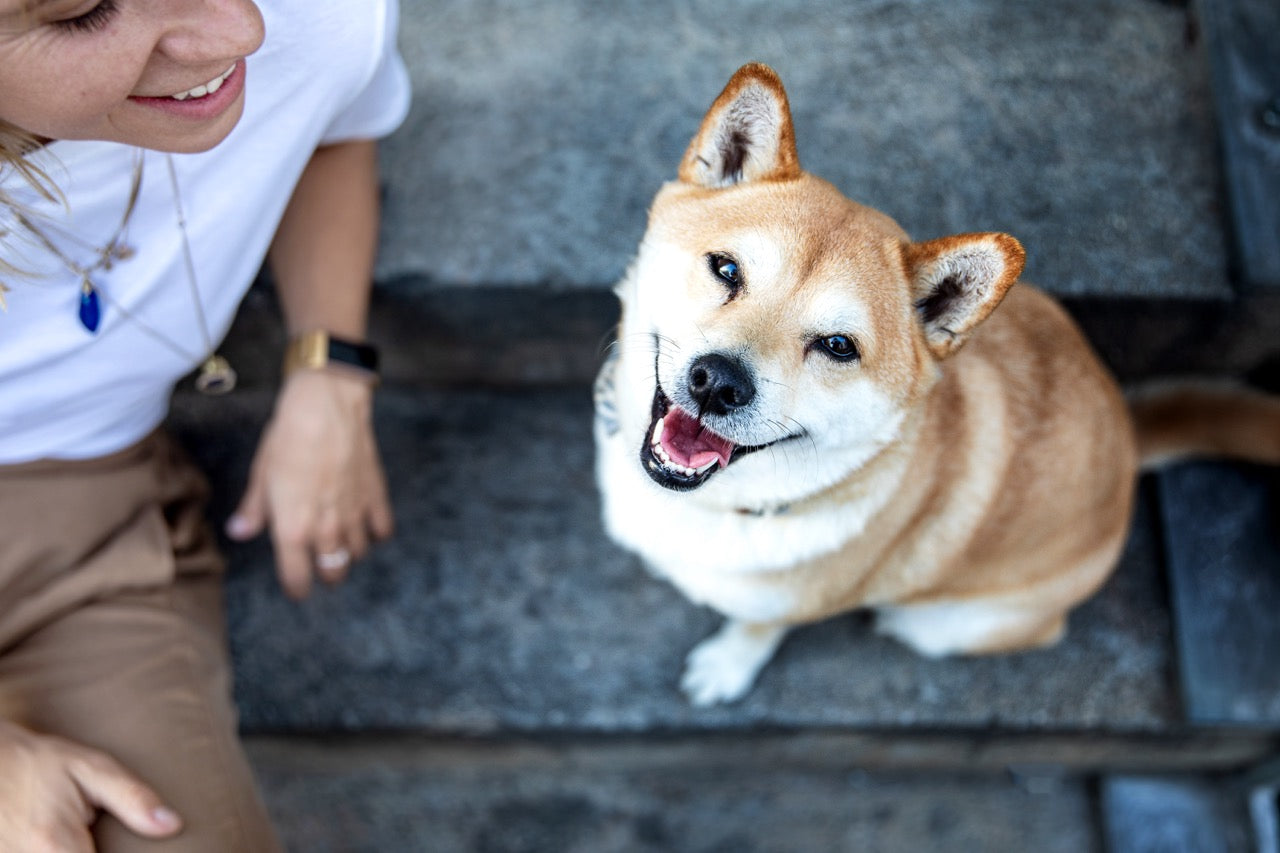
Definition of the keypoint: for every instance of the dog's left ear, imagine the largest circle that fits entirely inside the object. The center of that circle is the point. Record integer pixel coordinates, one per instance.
(746, 136)
(957, 281)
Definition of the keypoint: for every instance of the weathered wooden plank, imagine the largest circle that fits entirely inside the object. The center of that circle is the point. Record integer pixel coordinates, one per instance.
(1243, 42)
(1224, 567)
(1149, 814)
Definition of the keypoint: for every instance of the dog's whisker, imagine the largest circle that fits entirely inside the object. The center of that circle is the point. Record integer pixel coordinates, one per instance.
(643, 344)
(789, 428)
(701, 333)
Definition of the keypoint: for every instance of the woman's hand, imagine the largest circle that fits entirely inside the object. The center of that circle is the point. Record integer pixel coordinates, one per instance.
(51, 791)
(316, 480)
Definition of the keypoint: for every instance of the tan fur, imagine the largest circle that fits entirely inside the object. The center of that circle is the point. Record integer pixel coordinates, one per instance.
(992, 494)
(1196, 419)
(993, 468)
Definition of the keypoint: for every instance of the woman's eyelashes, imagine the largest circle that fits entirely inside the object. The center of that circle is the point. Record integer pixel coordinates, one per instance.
(91, 21)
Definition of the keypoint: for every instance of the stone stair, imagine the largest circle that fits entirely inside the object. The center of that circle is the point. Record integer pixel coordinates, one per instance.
(500, 677)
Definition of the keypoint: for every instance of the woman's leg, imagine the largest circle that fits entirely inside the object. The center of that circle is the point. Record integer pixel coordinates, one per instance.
(111, 635)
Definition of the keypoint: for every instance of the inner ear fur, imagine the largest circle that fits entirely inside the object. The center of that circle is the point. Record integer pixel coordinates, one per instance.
(747, 134)
(957, 281)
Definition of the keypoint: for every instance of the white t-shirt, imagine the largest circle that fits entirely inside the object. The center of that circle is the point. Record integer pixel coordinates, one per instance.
(328, 71)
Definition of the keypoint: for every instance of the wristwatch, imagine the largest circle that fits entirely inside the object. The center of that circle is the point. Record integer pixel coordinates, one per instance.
(318, 349)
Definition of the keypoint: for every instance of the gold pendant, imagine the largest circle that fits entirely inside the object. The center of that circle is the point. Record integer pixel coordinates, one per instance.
(216, 377)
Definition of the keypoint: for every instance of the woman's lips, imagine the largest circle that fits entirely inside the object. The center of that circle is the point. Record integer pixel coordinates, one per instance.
(227, 88)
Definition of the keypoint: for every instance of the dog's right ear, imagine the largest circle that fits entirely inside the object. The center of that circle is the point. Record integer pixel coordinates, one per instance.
(746, 135)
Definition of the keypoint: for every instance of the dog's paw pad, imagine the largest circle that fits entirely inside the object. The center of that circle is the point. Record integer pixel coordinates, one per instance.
(723, 667)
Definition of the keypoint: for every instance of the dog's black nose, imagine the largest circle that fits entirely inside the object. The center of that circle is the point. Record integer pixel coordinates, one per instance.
(719, 384)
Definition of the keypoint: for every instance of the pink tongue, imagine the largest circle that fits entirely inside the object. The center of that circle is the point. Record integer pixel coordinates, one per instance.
(690, 444)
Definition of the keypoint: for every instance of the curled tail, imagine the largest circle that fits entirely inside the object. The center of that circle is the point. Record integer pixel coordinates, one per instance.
(1190, 420)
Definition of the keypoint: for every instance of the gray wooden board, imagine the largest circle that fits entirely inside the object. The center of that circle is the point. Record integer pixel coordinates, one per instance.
(1243, 42)
(1224, 565)
(1149, 814)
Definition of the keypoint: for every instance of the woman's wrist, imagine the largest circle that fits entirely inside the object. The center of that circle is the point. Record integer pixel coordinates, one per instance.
(320, 350)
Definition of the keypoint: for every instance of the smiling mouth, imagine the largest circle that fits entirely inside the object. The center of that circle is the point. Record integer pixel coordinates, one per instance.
(192, 95)
(205, 88)
(681, 453)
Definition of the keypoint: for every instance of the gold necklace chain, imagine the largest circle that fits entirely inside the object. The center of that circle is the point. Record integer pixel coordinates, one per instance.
(115, 249)
(216, 375)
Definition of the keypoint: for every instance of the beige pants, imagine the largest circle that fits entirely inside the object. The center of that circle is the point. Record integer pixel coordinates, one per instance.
(111, 635)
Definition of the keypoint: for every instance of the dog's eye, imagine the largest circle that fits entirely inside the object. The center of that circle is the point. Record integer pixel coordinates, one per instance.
(839, 347)
(726, 269)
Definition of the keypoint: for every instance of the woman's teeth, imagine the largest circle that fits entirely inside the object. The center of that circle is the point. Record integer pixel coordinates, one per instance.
(206, 89)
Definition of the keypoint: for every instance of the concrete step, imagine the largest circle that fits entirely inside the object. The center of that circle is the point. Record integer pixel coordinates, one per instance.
(501, 609)
(391, 793)
(540, 132)
(403, 795)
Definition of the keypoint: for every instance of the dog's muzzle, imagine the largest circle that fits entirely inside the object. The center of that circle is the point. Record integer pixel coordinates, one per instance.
(680, 451)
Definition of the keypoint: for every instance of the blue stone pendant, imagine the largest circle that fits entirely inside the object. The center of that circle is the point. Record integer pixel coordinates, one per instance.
(90, 308)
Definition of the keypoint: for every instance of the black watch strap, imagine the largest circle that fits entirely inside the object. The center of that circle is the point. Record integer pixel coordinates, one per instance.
(358, 355)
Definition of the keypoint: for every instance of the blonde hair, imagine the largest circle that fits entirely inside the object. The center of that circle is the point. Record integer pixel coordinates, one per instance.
(15, 143)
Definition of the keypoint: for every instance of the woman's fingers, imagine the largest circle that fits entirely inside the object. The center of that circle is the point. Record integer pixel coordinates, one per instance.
(106, 785)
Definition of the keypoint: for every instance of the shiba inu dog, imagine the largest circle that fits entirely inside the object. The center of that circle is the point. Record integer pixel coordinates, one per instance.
(807, 412)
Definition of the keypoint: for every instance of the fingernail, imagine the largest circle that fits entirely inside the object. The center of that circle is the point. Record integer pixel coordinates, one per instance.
(237, 526)
(165, 817)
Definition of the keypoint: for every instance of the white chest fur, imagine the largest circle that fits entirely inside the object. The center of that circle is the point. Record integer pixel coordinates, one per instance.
(734, 561)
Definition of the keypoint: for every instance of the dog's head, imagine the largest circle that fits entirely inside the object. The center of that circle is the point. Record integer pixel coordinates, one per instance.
(768, 318)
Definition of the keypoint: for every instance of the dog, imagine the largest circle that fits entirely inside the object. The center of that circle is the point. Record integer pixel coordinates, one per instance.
(807, 413)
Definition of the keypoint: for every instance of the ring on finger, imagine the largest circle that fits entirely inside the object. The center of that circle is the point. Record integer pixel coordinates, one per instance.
(332, 561)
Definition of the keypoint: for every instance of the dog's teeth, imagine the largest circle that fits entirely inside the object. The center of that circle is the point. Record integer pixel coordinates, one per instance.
(710, 464)
(664, 459)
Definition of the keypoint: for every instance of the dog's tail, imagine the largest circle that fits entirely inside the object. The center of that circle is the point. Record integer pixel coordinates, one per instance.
(1195, 419)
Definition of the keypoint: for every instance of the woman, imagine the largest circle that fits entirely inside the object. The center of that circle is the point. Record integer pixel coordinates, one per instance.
(152, 153)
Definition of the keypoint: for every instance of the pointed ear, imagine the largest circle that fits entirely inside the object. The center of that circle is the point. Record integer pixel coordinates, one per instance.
(746, 135)
(957, 281)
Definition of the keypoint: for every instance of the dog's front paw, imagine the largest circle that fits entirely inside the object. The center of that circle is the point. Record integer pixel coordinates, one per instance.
(724, 666)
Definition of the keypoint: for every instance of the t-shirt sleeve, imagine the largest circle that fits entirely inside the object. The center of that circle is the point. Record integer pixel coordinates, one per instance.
(383, 103)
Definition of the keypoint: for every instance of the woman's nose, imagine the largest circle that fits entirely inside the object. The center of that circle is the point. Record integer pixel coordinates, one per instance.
(209, 30)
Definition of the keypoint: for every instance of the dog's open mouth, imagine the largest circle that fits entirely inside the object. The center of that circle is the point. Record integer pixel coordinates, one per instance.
(679, 451)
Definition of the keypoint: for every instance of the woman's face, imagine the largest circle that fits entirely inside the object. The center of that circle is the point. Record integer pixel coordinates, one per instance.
(161, 74)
